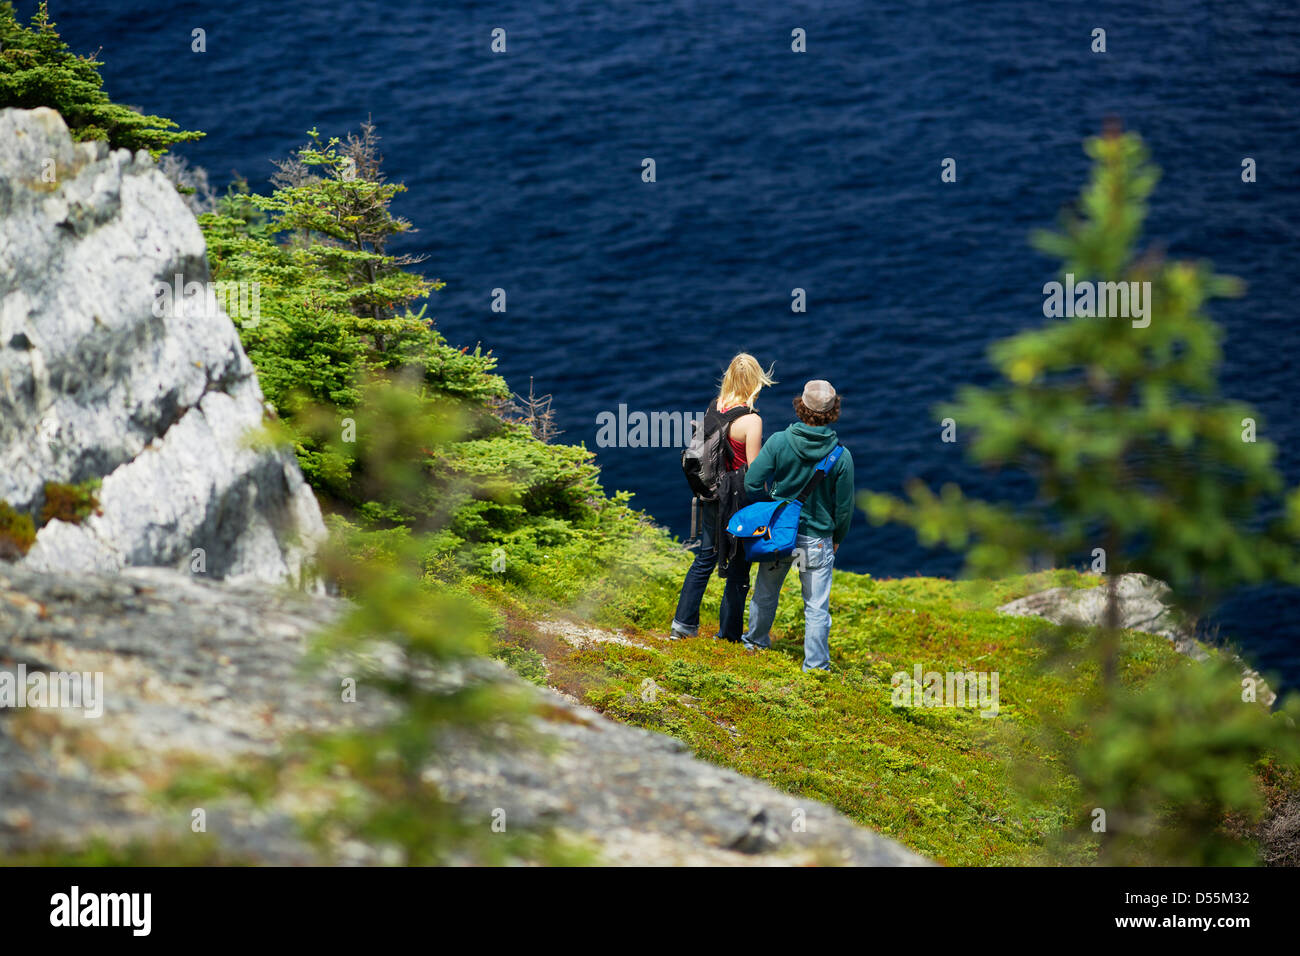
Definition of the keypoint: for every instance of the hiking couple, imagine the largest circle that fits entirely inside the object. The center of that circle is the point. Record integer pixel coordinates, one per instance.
(801, 474)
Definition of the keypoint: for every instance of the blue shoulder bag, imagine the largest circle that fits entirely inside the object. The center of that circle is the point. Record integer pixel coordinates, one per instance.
(768, 528)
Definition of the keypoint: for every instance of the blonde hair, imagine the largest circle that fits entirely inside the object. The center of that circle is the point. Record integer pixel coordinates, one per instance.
(743, 380)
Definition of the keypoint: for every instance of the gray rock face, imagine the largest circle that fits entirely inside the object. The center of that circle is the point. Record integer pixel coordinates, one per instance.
(192, 667)
(1143, 606)
(94, 384)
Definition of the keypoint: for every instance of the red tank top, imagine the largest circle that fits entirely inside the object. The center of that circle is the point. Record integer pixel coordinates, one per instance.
(739, 458)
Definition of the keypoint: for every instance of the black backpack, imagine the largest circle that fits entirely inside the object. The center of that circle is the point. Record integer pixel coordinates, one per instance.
(708, 457)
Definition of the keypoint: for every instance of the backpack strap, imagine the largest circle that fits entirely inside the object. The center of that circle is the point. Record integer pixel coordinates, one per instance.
(823, 469)
(724, 419)
(728, 418)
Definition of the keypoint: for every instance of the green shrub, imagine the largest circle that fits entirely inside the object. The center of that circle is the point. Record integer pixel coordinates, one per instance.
(17, 532)
(38, 69)
(1175, 759)
(70, 503)
(336, 308)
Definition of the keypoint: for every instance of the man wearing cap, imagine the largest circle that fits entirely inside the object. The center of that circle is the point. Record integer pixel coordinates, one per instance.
(786, 462)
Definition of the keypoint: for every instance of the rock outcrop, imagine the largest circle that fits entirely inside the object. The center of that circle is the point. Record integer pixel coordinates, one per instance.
(1144, 605)
(193, 667)
(96, 384)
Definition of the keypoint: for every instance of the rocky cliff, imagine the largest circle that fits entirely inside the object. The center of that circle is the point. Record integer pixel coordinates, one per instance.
(195, 667)
(103, 375)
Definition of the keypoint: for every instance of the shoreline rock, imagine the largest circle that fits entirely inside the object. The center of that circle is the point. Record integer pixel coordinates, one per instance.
(1143, 606)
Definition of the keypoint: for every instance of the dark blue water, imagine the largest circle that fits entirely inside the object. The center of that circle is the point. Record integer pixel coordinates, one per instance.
(775, 171)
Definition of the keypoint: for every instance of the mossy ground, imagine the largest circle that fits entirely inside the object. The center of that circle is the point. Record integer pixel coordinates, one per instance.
(944, 781)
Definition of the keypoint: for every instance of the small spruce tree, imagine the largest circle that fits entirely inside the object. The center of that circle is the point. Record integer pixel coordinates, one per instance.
(38, 69)
(336, 309)
(1119, 425)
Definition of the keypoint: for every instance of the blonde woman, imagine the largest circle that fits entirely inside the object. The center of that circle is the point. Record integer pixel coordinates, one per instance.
(732, 413)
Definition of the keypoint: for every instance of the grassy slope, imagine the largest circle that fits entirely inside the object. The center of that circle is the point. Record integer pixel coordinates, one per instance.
(939, 780)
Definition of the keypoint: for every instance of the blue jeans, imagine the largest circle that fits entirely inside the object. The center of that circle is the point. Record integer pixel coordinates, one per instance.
(731, 618)
(815, 580)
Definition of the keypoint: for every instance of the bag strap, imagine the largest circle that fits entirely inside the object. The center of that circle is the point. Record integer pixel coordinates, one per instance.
(823, 469)
(728, 418)
(724, 419)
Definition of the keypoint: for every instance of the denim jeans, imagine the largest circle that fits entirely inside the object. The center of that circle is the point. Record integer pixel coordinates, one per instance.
(815, 581)
(731, 618)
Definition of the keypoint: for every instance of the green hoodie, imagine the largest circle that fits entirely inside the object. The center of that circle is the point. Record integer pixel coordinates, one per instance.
(788, 460)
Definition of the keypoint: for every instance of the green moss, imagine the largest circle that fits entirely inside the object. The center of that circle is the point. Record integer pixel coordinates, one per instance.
(17, 532)
(524, 661)
(70, 503)
(199, 850)
(944, 781)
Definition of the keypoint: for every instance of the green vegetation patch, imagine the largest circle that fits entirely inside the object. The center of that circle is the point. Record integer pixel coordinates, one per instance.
(70, 503)
(944, 781)
(17, 532)
(37, 69)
